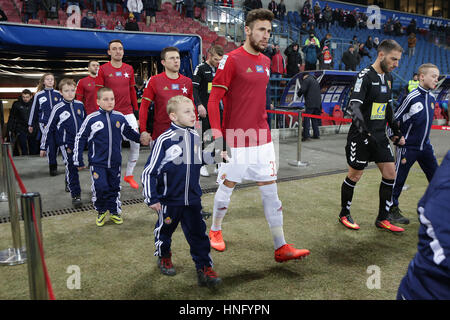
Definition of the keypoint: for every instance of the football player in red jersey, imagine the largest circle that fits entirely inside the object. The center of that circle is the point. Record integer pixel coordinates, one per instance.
(119, 77)
(160, 88)
(241, 82)
(86, 90)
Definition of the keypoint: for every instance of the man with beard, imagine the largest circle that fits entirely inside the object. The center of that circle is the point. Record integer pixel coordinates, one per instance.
(86, 90)
(371, 108)
(241, 82)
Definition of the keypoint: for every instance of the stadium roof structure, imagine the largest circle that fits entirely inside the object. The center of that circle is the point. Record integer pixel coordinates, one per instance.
(29, 50)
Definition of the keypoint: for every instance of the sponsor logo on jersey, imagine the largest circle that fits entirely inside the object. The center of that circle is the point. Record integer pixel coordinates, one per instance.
(222, 62)
(358, 85)
(260, 69)
(175, 86)
(378, 111)
(118, 74)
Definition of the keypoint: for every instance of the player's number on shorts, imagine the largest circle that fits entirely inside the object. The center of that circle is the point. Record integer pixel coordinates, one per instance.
(272, 167)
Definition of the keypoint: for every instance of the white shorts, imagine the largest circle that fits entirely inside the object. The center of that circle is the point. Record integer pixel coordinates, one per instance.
(256, 163)
(131, 119)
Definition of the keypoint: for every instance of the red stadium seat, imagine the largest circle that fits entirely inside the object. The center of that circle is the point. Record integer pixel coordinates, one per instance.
(326, 122)
(438, 112)
(34, 21)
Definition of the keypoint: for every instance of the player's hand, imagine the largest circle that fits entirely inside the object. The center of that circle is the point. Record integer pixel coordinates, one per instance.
(202, 111)
(222, 150)
(146, 138)
(398, 141)
(156, 207)
(30, 129)
(42, 154)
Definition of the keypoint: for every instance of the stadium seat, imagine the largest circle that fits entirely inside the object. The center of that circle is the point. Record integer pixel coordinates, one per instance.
(337, 113)
(34, 21)
(326, 122)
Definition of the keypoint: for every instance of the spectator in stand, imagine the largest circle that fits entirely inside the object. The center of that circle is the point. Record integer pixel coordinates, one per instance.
(257, 4)
(94, 4)
(294, 60)
(111, 6)
(281, 10)
(369, 43)
(311, 37)
(179, 6)
(349, 59)
(388, 27)
(273, 7)
(317, 12)
(89, 21)
(325, 59)
(398, 28)
(103, 25)
(29, 10)
(150, 7)
(278, 65)
(411, 44)
(363, 51)
(18, 124)
(3, 16)
(303, 28)
(350, 20)
(327, 16)
(311, 52)
(200, 4)
(119, 26)
(51, 8)
(135, 7)
(412, 27)
(306, 11)
(189, 6)
(131, 24)
(326, 41)
(376, 42)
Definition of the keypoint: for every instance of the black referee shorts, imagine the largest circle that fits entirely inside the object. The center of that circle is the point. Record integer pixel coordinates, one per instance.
(360, 151)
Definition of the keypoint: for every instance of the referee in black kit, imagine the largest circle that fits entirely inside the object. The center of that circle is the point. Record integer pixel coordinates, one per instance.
(371, 108)
(202, 84)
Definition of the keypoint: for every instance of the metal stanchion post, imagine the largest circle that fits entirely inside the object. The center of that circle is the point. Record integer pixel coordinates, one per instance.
(298, 162)
(36, 277)
(16, 254)
(3, 195)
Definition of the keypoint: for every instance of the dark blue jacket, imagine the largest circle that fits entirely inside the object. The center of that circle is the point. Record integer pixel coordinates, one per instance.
(64, 122)
(428, 275)
(415, 114)
(171, 175)
(102, 131)
(43, 103)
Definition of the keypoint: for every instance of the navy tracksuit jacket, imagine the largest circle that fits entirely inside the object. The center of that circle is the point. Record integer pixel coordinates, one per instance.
(102, 131)
(65, 119)
(43, 103)
(428, 275)
(171, 177)
(415, 115)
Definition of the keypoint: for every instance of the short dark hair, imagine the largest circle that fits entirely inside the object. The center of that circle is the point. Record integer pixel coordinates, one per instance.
(258, 14)
(113, 41)
(101, 90)
(26, 91)
(389, 45)
(168, 49)
(90, 61)
(216, 49)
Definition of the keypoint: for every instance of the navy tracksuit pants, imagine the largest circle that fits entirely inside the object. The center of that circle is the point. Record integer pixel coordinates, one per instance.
(106, 189)
(72, 177)
(194, 228)
(406, 157)
(52, 148)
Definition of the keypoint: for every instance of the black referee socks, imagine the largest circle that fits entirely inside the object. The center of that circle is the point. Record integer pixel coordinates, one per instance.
(346, 196)
(386, 187)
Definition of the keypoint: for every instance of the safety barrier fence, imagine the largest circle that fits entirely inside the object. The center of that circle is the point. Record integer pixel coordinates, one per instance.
(301, 114)
(33, 254)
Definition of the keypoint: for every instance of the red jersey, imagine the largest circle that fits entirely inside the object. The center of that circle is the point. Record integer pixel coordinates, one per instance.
(87, 93)
(121, 81)
(244, 76)
(160, 89)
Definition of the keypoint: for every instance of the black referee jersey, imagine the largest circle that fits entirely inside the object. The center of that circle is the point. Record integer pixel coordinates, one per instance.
(374, 92)
(202, 83)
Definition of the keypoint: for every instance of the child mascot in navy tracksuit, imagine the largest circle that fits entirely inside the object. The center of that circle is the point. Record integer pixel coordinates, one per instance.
(65, 119)
(171, 182)
(415, 116)
(103, 131)
(44, 100)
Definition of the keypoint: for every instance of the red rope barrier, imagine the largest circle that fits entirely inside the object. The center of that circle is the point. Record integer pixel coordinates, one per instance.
(36, 230)
(435, 127)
